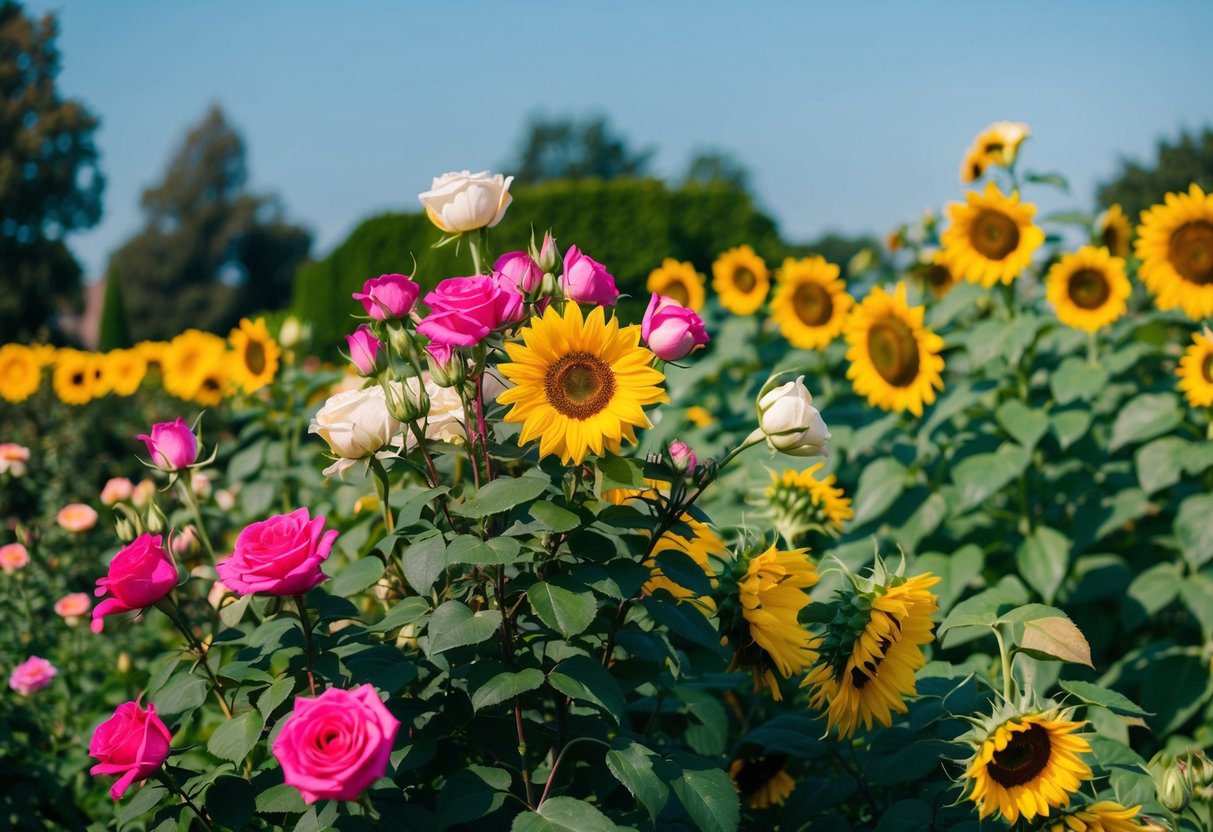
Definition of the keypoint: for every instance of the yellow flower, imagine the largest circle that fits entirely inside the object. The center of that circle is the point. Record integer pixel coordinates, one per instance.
(936, 275)
(991, 237)
(1088, 288)
(703, 546)
(580, 383)
(895, 359)
(123, 370)
(811, 303)
(45, 353)
(740, 279)
(801, 503)
(1112, 231)
(863, 676)
(679, 281)
(256, 355)
(700, 417)
(1175, 244)
(1103, 816)
(190, 358)
(216, 379)
(20, 372)
(152, 351)
(763, 781)
(1196, 370)
(998, 144)
(72, 377)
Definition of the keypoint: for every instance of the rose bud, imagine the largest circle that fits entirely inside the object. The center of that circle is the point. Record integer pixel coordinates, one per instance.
(790, 422)
(671, 330)
(585, 280)
(133, 743)
(683, 457)
(364, 351)
(117, 490)
(388, 296)
(520, 270)
(172, 445)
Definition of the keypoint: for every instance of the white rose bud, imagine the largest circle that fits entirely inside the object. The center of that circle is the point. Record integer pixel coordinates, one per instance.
(355, 424)
(790, 422)
(460, 202)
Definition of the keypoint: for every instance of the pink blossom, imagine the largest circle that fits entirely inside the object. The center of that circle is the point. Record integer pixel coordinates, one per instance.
(74, 606)
(139, 575)
(521, 270)
(388, 296)
(32, 675)
(464, 310)
(279, 556)
(116, 490)
(364, 350)
(172, 445)
(13, 556)
(13, 458)
(683, 457)
(671, 330)
(133, 743)
(585, 280)
(77, 517)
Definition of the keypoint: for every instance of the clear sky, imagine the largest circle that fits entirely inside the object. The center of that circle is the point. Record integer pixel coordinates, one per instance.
(850, 116)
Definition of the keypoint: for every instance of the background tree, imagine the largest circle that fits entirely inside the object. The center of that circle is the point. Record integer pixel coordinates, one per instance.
(1181, 162)
(210, 251)
(50, 183)
(566, 149)
(714, 167)
(114, 329)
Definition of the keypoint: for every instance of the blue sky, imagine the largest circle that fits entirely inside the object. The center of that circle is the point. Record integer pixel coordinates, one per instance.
(851, 117)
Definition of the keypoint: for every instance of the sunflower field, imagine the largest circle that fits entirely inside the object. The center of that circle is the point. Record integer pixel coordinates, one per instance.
(810, 545)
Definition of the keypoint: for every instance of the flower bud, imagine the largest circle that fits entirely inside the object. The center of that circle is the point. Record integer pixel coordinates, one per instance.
(388, 296)
(789, 421)
(365, 351)
(125, 529)
(400, 340)
(407, 401)
(585, 280)
(172, 445)
(291, 333)
(547, 257)
(447, 367)
(671, 330)
(1171, 785)
(155, 521)
(682, 457)
(519, 269)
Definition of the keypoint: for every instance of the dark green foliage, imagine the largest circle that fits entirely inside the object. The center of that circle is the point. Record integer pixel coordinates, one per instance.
(115, 333)
(714, 167)
(561, 148)
(1179, 164)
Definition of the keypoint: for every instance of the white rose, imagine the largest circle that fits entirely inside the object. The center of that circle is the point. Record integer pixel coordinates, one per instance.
(465, 201)
(790, 422)
(445, 420)
(355, 424)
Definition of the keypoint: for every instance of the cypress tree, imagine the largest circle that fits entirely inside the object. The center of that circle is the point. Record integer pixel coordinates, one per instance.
(114, 333)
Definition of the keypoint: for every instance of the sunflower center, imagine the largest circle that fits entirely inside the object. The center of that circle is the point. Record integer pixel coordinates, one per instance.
(939, 277)
(993, 147)
(1191, 252)
(1026, 755)
(677, 291)
(579, 385)
(894, 352)
(756, 773)
(211, 384)
(745, 280)
(1089, 289)
(1206, 368)
(254, 357)
(1110, 237)
(813, 304)
(994, 234)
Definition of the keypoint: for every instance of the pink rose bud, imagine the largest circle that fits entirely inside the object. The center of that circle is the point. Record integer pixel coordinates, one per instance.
(336, 745)
(32, 675)
(139, 576)
(117, 490)
(172, 445)
(279, 556)
(73, 607)
(13, 556)
(585, 280)
(447, 367)
(364, 350)
(13, 458)
(521, 270)
(133, 743)
(76, 517)
(464, 310)
(201, 484)
(388, 296)
(683, 457)
(185, 542)
(671, 330)
(548, 255)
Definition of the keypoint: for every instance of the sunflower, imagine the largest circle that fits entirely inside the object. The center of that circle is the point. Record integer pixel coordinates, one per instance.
(216, 379)
(679, 281)
(1088, 288)
(581, 383)
(865, 671)
(702, 546)
(700, 417)
(20, 372)
(800, 503)
(740, 278)
(187, 359)
(123, 371)
(256, 359)
(991, 237)
(935, 275)
(895, 360)
(810, 302)
(1175, 244)
(1027, 765)
(45, 353)
(763, 781)
(1196, 370)
(72, 377)
(153, 352)
(998, 144)
(1112, 231)
(1103, 816)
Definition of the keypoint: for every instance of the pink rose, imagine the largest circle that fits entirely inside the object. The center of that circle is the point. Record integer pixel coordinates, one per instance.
(388, 296)
(671, 330)
(279, 556)
(335, 745)
(521, 270)
(139, 576)
(364, 350)
(76, 517)
(172, 445)
(117, 490)
(463, 310)
(13, 458)
(144, 493)
(683, 457)
(585, 280)
(13, 556)
(73, 607)
(31, 675)
(133, 742)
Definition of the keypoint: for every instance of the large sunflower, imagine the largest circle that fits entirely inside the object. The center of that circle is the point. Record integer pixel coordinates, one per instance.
(188, 360)
(740, 278)
(20, 372)
(1112, 231)
(1088, 288)
(895, 360)
(1102, 816)
(123, 371)
(1175, 244)
(991, 237)
(1027, 765)
(810, 302)
(763, 781)
(72, 377)
(1196, 370)
(256, 355)
(679, 281)
(800, 503)
(580, 383)
(864, 673)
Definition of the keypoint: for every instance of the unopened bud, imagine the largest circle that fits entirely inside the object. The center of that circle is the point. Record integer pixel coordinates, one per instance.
(682, 457)
(548, 257)
(155, 521)
(125, 530)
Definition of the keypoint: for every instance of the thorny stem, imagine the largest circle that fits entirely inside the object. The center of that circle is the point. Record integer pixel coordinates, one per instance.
(306, 623)
(167, 779)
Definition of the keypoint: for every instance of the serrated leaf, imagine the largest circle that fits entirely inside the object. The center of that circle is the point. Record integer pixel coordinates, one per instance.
(454, 625)
(1144, 417)
(502, 495)
(406, 611)
(554, 517)
(356, 577)
(585, 680)
(710, 798)
(563, 814)
(632, 766)
(470, 794)
(1043, 560)
(564, 610)
(679, 567)
(496, 551)
(1055, 638)
(423, 561)
(182, 693)
(505, 686)
(274, 696)
(234, 739)
(280, 798)
(1094, 694)
(143, 802)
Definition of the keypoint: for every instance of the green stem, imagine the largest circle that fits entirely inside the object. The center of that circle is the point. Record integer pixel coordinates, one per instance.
(306, 623)
(1093, 349)
(1006, 664)
(167, 779)
(383, 488)
(188, 497)
(556, 765)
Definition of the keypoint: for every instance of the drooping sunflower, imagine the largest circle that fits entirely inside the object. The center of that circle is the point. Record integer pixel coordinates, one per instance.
(1175, 244)
(1026, 764)
(20, 372)
(810, 303)
(998, 144)
(763, 781)
(800, 503)
(865, 673)
(256, 355)
(1195, 370)
(1102, 816)
(1088, 288)
(679, 281)
(72, 377)
(580, 383)
(991, 237)
(741, 280)
(187, 361)
(895, 359)
(1112, 231)
(123, 371)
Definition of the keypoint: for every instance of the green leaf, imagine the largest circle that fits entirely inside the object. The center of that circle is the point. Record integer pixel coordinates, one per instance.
(1043, 560)
(617, 472)
(1094, 694)
(1194, 529)
(1144, 417)
(981, 475)
(1197, 594)
(231, 801)
(505, 686)
(983, 608)
(708, 730)
(1024, 425)
(1160, 464)
(1028, 612)
(406, 611)
(410, 512)
(496, 551)
(282, 799)
(143, 802)
(563, 814)
(1055, 179)
(880, 484)
(555, 518)
(356, 577)
(274, 696)
(710, 799)
(423, 561)
(909, 815)
(454, 625)
(684, 620)
(502, 495)
(1057, 638)
(585, 680)
(1077, 379)
(956, 572)
(234, 739)
(470, 794)
(184, 692)
(565, 610)
(680, 568)
(1154, 588)
(1069, 426)
(632, 766)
